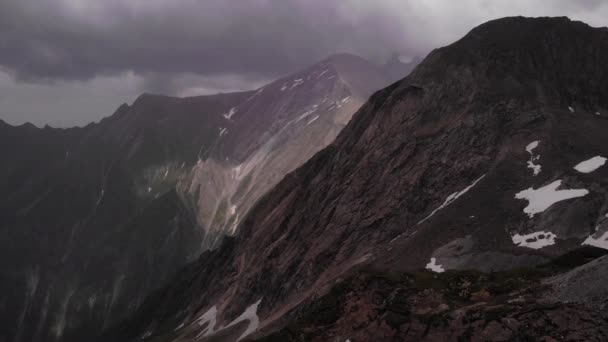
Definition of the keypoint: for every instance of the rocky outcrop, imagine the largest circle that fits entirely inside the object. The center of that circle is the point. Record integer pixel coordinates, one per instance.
(454, 306)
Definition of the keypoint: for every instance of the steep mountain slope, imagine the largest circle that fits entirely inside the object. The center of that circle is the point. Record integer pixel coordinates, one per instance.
(90, 217)
(468, 163)
(95, 218)
(274, 131)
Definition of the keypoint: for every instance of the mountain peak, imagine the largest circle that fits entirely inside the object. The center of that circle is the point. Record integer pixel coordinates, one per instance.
(560, 54)
(431, 174)
(513, 35)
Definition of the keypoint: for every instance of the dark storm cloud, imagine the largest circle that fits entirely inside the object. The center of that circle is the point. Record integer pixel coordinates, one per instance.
(70, 62)
(55, 39)
(78, 39)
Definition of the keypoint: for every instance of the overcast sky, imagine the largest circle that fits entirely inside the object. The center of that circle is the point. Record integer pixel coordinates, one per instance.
(70, 62)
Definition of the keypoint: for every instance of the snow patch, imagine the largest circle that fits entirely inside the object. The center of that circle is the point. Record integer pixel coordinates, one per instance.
(146, 334)
(223, 131)
(535, 240)
(402, 235)
(322, 73)
(541, 199)
(433, 266)
(236, 172)
(149, 189)
(250, 314)
(571, 109)
(210, 319)
(453, 197)
(284, 87)
(256, 94)
(229, 115)
(101, 194)
(530, 149)
(531, 146)
(91, 301)
(600, 242)
(590, 165)
(312, 120)
(235, 224)
(233, 210)
(597, 113)
(304, 115)
(296, 83)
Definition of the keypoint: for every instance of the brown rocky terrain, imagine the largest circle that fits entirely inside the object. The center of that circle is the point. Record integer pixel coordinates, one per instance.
(516, 305)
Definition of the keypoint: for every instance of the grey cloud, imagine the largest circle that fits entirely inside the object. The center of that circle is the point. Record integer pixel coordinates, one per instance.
(61, 39)
(67, 61)
(76, 40)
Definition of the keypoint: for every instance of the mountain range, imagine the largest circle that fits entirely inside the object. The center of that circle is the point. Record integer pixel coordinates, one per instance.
(466, 201)
(95, 218)
(463, 202)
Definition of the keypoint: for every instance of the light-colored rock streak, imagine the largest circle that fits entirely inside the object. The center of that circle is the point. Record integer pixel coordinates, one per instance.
(209, 319)
(453, 197)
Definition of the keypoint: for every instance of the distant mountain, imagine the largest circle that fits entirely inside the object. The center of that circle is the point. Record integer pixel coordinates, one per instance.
(489, 157)
(95, 218)
(272, 132)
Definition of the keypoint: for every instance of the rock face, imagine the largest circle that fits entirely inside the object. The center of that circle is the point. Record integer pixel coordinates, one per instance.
(438, 169)
(93, 219)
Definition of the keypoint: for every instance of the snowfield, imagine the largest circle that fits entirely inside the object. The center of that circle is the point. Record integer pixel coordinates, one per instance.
(600, 242)
(209, 321)
(535, 167)
(541, 199)
(434, 267)
(535, 240)
(590, 165)
(250, 314)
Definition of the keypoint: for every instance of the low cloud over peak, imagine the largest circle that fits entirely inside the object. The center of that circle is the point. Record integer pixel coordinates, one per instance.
(178, 47)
